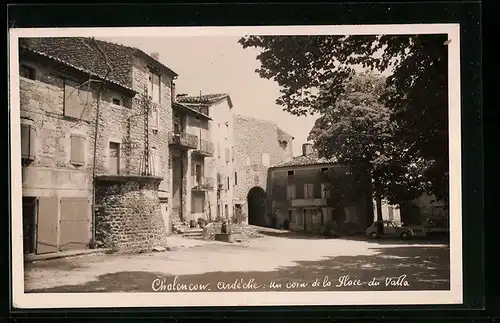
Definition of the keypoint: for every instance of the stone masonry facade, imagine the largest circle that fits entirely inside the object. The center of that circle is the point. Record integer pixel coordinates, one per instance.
(129, 217)
(258, 145)
(43, 100)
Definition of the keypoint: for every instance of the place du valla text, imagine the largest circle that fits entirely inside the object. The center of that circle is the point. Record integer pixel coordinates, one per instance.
(175, 284)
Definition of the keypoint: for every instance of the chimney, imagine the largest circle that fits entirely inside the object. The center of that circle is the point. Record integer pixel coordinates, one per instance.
(307, 149)
(155, 55)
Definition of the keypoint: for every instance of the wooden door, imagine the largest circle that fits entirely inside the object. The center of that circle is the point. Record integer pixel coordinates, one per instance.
(47, 225)
(308, 220)
(29, 211)
(74, 223)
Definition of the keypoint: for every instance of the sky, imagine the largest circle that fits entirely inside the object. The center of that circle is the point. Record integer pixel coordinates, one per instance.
(218, 64)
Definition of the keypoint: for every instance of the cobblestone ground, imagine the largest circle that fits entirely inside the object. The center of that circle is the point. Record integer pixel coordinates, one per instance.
(271, 263)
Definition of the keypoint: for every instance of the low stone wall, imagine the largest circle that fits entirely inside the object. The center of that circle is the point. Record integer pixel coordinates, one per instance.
(245, 230)
(128, 215)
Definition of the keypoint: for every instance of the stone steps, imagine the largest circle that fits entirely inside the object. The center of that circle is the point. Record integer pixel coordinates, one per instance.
(193, 233)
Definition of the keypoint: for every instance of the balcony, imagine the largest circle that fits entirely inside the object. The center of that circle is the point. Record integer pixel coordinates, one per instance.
(183, 140)
(205, 148)
(203, 184)
(308, 202)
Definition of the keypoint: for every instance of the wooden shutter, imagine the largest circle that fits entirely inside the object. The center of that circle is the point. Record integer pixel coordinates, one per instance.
(47, 224)
(28, 136)
(155, 88)
(77, 150)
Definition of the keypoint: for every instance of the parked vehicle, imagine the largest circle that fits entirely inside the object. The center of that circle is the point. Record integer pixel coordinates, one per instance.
(391, 229)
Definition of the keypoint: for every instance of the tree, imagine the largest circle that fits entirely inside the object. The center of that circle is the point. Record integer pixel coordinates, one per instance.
(357, 130)
(313, 73)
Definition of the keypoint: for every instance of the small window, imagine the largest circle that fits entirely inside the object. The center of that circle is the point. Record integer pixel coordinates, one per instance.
(290, 173)
(27, 72)
(235, 178)
(324, 170)
(117, 101)
(227, 182)
(77, 150)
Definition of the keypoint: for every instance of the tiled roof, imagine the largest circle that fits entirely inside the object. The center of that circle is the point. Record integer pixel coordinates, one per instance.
(191, 109)
(311, 159)
(82, 54)
(205, 100)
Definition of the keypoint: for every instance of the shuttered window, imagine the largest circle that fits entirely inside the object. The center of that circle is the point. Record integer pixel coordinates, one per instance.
(308, 191)
(28, 136)
(78, 101)
(290, 192)
(77, 150)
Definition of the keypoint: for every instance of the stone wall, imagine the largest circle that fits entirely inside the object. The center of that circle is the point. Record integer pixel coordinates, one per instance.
(128, 217)
(252, 138)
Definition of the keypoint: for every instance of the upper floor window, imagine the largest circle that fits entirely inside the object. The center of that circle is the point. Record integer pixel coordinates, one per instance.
(326, 190)
(226, 130)
(324, 170)
(77, 150)
(154, 87)
(117, 101)
(308, 191)
(27, 71)
(290, 173)
(290, 192)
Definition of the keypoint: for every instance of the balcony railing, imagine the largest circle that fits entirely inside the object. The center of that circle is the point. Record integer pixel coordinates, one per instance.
(184, 140)
(205, 148)
(203, 183)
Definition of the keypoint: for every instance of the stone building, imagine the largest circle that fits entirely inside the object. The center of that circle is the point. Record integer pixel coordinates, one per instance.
(210, 165)
(95, 119)
(310, 192)
(258, 145)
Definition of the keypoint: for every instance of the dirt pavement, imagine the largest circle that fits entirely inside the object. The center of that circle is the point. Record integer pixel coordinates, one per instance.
(270, 257)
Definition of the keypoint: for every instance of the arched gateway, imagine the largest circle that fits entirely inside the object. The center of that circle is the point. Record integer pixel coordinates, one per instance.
(257, 206)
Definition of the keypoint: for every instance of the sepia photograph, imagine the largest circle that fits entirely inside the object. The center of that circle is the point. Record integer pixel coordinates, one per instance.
(313, 165)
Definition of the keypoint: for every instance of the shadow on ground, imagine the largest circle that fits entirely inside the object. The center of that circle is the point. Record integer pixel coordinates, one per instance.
(358, 237)
(422, 268)
(291, 235)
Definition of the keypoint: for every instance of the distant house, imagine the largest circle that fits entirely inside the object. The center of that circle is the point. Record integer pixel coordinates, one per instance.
(310, 192)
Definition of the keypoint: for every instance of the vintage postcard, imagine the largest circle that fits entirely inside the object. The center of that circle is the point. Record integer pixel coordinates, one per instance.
(236, 166)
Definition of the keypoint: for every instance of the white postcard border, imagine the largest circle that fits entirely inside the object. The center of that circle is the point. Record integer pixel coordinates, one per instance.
(161, 299)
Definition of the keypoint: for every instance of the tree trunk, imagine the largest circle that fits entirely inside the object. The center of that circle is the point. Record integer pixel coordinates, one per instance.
(380, 226)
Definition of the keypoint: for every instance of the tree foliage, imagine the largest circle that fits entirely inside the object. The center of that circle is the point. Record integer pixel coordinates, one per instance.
(401, 129)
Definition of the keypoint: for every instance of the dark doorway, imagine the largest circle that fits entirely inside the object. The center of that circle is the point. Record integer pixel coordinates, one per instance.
(29, 207)
(257, 206)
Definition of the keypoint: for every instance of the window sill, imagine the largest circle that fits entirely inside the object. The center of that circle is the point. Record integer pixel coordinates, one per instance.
(78, 164)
